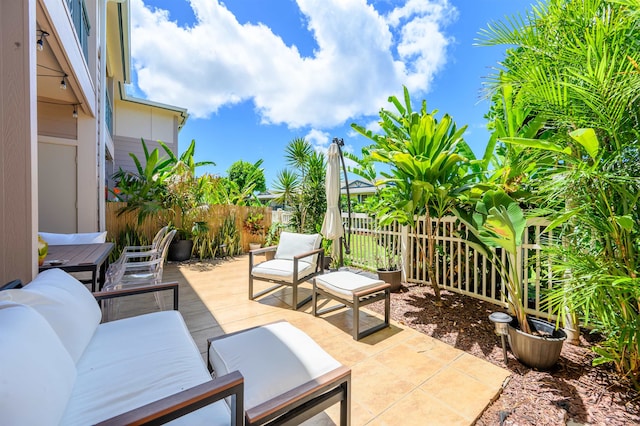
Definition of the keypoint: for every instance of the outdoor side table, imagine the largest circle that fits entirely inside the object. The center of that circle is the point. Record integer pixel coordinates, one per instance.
(352, 290)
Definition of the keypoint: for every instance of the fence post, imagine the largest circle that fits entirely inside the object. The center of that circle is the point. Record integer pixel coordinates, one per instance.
(404, 251)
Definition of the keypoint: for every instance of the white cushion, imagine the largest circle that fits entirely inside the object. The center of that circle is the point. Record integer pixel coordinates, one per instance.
(135, 361)
(36, 372)
(292, 244)
(78, 238)
(273, 359)
(65, 303)
(282, 270)
(344, 283)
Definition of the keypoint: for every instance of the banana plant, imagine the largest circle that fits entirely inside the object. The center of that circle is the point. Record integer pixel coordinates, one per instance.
(498, 222)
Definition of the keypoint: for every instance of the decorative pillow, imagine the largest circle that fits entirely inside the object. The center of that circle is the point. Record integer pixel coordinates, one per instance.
(292, 244)
(78, 238)
(65, 303)
(36, 372)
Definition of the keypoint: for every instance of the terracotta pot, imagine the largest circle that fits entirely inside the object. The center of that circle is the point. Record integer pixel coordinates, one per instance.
(392, 277)
(269, 255)
(539, 352)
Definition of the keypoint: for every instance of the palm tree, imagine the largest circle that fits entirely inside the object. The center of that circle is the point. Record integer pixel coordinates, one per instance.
(286, 187)
(297, 154)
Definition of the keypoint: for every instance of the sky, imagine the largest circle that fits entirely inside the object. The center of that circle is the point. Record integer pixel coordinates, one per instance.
(255, 74)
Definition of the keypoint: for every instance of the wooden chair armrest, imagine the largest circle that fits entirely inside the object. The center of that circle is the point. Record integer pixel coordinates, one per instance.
(263, 249)
(372, 290)
(307, 254)
(104, 295)
(296, 397)
(179, 404)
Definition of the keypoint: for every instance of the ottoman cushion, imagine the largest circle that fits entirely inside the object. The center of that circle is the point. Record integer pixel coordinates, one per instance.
(344, 283)
(273, 359)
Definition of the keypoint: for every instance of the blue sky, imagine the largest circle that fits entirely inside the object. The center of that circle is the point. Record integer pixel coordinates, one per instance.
(254, 74)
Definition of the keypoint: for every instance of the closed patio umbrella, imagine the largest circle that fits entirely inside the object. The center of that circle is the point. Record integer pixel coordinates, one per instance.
(332, 225)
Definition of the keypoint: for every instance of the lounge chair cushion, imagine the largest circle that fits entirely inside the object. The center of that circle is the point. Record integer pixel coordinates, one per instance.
(292, 244)
(78, 238)
(287, 359)
(344, 283)
(282, 270)
(65, 303)
(126, 356)
(36, 372)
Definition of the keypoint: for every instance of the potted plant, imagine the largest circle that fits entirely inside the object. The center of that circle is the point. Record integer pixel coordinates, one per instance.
(498, 222)
(254, 225)
(388, 264)
(184, 206)
(167, 188)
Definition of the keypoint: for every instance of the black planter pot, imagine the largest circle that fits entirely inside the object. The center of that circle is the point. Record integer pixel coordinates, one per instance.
(539, 352)
(391, 277)
(180, 250)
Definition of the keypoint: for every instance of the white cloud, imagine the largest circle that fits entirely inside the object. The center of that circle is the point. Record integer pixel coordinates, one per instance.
(361, 58)
(319, 140)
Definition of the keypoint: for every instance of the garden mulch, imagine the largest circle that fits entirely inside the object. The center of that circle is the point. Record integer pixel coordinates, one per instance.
(573, 392)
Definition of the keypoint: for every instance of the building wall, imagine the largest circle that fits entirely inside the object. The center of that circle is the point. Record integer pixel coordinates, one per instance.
(133, 122)
(18, 141)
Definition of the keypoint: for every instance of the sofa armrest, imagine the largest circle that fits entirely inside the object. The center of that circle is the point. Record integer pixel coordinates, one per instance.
(192, 399)
(105, 295)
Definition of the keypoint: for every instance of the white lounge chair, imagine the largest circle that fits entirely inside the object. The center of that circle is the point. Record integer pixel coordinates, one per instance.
(297, 259)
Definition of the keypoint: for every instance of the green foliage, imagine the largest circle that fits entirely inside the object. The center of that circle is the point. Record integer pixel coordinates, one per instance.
(498, 222)
(575, 64)
(430, 167)
(229, 236)
(273, 234)
(129, 236)
(166, 187)
(303, 191)
(248, 177)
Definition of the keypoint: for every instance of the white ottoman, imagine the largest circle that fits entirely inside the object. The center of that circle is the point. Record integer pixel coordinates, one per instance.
(287, 375)
(353, 290)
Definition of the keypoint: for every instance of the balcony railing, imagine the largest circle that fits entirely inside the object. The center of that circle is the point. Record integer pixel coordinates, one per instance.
(80, 19)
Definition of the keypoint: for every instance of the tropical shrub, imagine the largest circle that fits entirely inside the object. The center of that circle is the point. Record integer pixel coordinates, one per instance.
(575, 63)
(429, 168)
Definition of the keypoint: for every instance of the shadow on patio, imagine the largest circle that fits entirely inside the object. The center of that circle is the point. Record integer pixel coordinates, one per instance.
(400, 376)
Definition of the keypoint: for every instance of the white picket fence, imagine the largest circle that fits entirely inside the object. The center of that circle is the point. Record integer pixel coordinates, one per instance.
(458, 267)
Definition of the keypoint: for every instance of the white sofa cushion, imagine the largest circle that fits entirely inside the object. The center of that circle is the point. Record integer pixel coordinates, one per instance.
(65, 303)
(292, 244)
(273, 359)
(138, 360)
(282, 270)
(36, 372)
(344, 283)
(78, 238)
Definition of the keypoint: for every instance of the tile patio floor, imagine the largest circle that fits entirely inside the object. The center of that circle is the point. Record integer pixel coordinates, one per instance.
(399, 376)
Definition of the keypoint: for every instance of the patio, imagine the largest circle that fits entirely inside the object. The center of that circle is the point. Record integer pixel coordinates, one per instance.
(398, 373)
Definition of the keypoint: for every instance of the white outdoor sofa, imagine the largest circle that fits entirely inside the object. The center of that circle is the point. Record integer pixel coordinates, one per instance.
(60, 366)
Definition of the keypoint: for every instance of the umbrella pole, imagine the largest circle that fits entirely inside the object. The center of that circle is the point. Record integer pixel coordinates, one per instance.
(345, 241)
